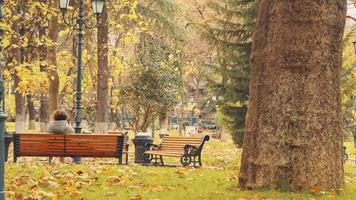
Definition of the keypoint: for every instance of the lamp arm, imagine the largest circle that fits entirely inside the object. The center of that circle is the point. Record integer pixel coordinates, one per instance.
(72, 21)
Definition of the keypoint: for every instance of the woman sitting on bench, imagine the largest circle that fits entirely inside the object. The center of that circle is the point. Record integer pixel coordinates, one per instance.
(60, 125)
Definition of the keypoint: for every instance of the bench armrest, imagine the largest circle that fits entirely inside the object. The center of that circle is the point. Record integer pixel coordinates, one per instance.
(151, 146)
(190, 150)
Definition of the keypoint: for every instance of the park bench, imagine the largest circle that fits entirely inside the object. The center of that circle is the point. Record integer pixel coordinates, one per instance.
(70, 145)
(188, 149)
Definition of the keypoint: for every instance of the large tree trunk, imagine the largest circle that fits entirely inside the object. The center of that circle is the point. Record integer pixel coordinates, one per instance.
(20, 118)
(293, 133)
(53, 96)
(44, 113)
(101, 121)
(31, 113)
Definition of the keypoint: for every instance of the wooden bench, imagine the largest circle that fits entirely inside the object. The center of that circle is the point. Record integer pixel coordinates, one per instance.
(188, 149)
(71, 145)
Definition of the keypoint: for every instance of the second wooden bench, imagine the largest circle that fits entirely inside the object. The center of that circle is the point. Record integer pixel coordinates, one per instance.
(188, 149)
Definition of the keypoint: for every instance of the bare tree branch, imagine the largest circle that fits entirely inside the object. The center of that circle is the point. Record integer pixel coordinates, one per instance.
(352, 18)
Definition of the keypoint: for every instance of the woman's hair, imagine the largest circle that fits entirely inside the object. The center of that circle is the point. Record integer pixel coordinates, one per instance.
(60, 115)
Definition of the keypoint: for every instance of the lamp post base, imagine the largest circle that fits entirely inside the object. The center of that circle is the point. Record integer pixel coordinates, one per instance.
(2, 155)
(2, 195)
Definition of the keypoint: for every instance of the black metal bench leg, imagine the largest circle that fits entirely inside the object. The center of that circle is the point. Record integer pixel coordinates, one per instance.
(156, 160)
(194, 161)
(199, 159)
(50, 159)
(161, 158)
(120, 160)
(127, 158)
(147, 159)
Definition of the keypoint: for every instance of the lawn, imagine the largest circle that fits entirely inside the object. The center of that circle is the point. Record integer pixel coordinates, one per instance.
(33, 178)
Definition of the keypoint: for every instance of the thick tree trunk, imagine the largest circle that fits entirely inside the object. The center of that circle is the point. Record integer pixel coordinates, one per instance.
(101, 121)
(293, 133)
(20, 118)
(44, 112)
(31, 113)
(53, 97)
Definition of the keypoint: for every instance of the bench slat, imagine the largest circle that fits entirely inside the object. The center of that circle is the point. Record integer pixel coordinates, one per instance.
(181, 139)
(165, 153)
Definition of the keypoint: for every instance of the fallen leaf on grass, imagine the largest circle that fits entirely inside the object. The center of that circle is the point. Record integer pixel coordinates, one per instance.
(180, 172)
(18, 196)
(182, 186)
(135, 186)
(12, 195)
(20, 180)
(315, 190)
(115, 180)
(256, 197)
(39, 194)
(157, 188)
(80, 172)
(110, 194)
(137, 197)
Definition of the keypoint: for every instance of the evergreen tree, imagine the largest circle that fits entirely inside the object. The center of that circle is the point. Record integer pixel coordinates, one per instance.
(229, 34)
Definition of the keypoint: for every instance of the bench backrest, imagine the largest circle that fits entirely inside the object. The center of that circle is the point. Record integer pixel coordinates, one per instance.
(86, 145)
(93, 145)
(38, 144)
(126, 137)
(177, 143)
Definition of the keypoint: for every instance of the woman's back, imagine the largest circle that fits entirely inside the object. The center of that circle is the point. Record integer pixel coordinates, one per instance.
(60, 127)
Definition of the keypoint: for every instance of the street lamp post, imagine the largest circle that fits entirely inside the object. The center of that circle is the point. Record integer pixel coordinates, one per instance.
(2, 119)
(97, 6)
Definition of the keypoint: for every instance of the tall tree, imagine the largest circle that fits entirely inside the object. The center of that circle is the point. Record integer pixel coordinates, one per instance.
(44, 112)
(53, 95)
(229, 34)
(293, 133)
(153, 85)
(31, 113)
(102, 104)
(19, 97)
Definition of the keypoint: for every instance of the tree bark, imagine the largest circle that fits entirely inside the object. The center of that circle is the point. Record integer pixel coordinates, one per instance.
(31, 113)
(293, 136)
(53, 97)
(20, 118)
(101, 121)
(44, 112)
(163, 122)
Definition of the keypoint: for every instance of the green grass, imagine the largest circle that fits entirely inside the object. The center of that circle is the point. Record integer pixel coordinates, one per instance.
(350, 149)
(102, 179)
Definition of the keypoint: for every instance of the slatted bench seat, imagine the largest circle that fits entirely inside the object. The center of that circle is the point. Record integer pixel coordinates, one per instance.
(71, 145)
(188, 149)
